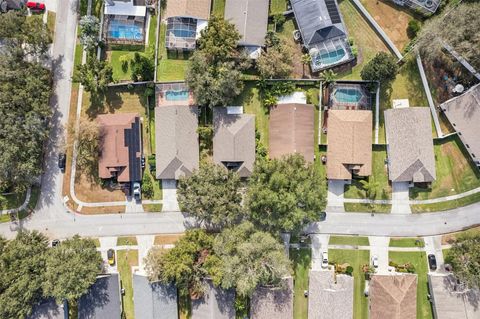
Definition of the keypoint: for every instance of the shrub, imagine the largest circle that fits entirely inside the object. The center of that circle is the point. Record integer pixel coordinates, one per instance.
(279, 20)
(354, 51)
(383, 67)
(147, 186)
(349, 270)
(413, 28)
(124, 60)
(142, 68)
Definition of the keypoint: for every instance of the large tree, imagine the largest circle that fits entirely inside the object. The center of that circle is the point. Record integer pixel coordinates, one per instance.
(285, 194)
(215, 68)
(276, 63)
(184, 264)
(88, 145)
(212, 195)
(22, 264)
(247, 258)
(383, 67)
(94, 75)
(464, 256)
(71, 268)
(89, 29)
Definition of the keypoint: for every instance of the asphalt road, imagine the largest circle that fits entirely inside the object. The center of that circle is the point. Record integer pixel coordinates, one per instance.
(52, 218)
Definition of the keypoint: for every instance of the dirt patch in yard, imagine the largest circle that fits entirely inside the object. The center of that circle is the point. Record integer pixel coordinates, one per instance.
(167, 239)
(90, 192)
(103, 210)
(452, 237)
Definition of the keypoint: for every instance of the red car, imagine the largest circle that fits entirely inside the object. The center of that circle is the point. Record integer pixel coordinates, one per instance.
(36, 6)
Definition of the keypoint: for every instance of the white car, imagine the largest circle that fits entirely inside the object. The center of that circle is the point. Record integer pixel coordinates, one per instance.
(137, 194)
(375, 261)
(325, 259)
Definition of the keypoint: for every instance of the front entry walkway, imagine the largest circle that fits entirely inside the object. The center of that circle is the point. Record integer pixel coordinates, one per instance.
(335, 197)
(400, 198)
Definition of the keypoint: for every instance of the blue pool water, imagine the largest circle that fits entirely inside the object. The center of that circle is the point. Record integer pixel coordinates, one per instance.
(331, 57)
(345, 95)
(176, 95)
(122, 31)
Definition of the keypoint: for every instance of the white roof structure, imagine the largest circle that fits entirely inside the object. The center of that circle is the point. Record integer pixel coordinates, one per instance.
(295, 97)
(400, 104)
(125, 8)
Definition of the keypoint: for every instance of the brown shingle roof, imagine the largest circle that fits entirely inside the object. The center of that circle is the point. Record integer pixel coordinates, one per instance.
(349, 143)
(120, 147)
(463, 112)
(329, 295)
(199, 9)
(250, 18)
(291, 130)
(273, 302)
(216, 303)
(393, 296)
(410, 145)
(234, 140)
(176, 141)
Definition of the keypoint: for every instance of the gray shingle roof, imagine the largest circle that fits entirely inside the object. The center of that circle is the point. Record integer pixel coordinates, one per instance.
(176, 140)
(154, 300)
(215, 304)
(234, 139)
(463, 112)
(410, 145)
(48, 309)
(273, 302)
(102, 300)
(315, 21)
(451, 301)
(330, 296)
(251, 19)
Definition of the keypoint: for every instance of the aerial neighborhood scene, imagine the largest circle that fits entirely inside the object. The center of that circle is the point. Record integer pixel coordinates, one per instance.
(222, 159)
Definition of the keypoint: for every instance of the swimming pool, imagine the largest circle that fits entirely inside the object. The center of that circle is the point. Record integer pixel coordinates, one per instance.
(346, 95)
(120, 30)
(330, 57)
(176, 95)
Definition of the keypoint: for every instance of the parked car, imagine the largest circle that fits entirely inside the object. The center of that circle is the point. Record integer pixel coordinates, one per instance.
(432, 262)
(143, 161)
(62, 161)
(137, 192)
(36, 6)
(325, 259)
(55, 242)
(375, 261)
(111, 257)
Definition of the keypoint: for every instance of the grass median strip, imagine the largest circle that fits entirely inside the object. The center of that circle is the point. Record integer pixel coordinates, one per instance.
(447, 205)
(407, 242)
(127, 241)
(126, 259)
(349, 240)
(367, 208)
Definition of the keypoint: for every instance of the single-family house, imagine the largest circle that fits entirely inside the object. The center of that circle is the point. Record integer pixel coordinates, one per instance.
(49, 309)
(102, 301)
(125, 21)
(329, 295)
(463, 112)
(250, 17)
(234, 139)
(393, 296)
(273, 302)
(120, 147)
(216, 303)
(176, 141)
(185, 20)
(349, 150)
(7, 5)
(323, 32)
(425, 6)
(154, 300)
(410, 145)
(292, 130)
(452, 299)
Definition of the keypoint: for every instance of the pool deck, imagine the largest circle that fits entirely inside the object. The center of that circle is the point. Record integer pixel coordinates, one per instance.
(162, 101)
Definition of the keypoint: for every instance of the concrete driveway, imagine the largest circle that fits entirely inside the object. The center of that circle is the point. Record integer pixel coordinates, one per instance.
(400, 198)
(433, 245)
(335, 196)
(379, 247)
(319, 244)
(169, 190)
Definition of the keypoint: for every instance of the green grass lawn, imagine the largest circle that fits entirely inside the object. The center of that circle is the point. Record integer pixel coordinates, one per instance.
(152, 208)
(127, 241)
(356, 259)
(419, 260)
(301, 260)
(451, 204)
(365, 38)
(349, 240)
(77, 58)
(51, 22)
(379, 173)
(407, 242)
(366, 208)
(455, 173)
(120, 73)
(171, 65)
(125, 260)
(152, 31)
(218, 8)
(277, 6)
(13, 200)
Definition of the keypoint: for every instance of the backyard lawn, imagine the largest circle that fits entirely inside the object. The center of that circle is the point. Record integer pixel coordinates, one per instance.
(419, 260)
(356, 259)
(366, 40)
(301, 259)
(119, 72)
(380, 175)
(349, 240)
(407, 242)
(171, 65)
(455, 171)
(125, 260)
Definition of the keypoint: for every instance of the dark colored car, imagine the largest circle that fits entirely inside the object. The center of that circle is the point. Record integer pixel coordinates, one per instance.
(55, 242)
(62, 161)
(323, 216)
(36, 6)
(143, 161)
(432, 262)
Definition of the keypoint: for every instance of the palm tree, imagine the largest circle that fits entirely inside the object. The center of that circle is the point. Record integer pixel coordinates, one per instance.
(327, 76)
(370, 186)
(306, 59)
